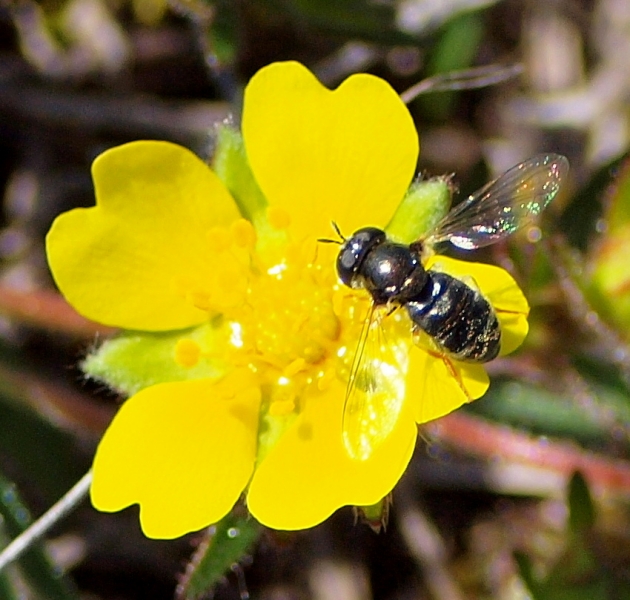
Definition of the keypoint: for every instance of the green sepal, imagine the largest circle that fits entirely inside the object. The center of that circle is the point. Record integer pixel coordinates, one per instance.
(422, 208)
(271, 429)
(223, 545)
(231, 165)
(376, 516)
(134, 360)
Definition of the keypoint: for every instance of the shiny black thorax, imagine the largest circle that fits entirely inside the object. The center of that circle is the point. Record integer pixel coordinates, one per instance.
(460, 320)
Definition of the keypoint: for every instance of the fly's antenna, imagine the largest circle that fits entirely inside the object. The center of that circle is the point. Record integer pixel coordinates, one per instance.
(338, 232)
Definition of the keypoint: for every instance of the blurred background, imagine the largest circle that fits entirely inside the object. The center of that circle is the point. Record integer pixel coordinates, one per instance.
(523, 494)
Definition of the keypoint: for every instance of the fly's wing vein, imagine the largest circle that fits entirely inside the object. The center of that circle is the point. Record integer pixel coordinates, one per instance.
(504, 205)
(376, 388)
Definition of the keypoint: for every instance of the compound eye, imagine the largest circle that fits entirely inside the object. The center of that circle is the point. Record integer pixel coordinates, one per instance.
(347, 265)
(354, 251)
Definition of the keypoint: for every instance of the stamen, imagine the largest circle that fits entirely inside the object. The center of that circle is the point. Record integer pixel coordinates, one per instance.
(299, 364)
(278, 218)
(313, 351)
(324, 379)
(244, 234)
(282, 401)
(200, 300)
(187, 353)
(281, 408)
(279, 323)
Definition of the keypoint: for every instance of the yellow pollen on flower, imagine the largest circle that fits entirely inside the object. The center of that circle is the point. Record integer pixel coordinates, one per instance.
(283, 318)
(278, 218)
(187, 353)
(292, 318)
(278, 317)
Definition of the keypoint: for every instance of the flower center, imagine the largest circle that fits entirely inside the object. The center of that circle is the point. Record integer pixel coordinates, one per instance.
(291, 318)
(276, 315)
(281, 315)
(290, 329)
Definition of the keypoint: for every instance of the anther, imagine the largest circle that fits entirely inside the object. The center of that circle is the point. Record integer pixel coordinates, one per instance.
(325, 379)
(281, 408)
(299, 364)
(244, 233)
(200, 300)
(278, 218)
(187, 353)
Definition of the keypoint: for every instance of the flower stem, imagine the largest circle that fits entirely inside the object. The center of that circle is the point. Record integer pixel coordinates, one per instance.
(466, 79)
(39, 528)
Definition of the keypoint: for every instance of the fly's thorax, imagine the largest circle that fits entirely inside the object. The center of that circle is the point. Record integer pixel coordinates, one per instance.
(393, 273)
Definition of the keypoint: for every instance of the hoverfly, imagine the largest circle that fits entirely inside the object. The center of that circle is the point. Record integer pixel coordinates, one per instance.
(461, 323)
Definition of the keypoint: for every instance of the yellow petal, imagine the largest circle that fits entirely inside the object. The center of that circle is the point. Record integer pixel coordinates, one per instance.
(440, 384)
(130, 260)
(500, 289)
(346, 155)
(514, 329)
(184, 451)
(309, 474)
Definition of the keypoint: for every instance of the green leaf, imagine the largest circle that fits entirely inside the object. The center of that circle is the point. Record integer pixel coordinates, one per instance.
(35, 447)
(7, 591)
(225, 544)
(360, 19)
(40, 573)
(455, 49)
(607, 264)
(618, 205)
(526, 573)
(542, 412)
(223, 34)
(421, 209)
(581, 509)
(578, 574)
(579, 218)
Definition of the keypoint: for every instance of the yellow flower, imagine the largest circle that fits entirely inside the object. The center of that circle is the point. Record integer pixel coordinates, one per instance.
(267, 332)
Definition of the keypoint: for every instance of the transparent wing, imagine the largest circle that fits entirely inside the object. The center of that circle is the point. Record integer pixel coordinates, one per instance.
(504, 205)
(376, 387)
